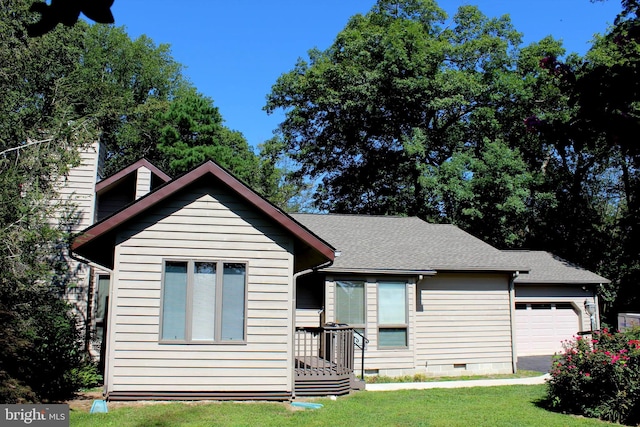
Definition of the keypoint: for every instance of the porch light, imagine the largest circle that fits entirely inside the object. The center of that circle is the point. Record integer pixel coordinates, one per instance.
(590, 307)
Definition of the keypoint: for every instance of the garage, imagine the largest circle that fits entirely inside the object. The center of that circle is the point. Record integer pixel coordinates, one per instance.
(542, 327)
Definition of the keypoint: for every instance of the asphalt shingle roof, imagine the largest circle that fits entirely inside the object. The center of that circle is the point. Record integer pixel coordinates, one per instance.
(404, 244)
(549, 268)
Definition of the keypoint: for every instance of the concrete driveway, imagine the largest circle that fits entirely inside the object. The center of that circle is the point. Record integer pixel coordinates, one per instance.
(535, 363)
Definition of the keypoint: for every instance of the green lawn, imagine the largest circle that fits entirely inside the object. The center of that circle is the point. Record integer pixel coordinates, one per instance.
(479, 406)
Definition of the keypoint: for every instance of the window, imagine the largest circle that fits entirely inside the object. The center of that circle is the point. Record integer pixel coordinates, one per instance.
(102, 299)
(392, 314)
(350, 308)
(350, 302)
(203, 301)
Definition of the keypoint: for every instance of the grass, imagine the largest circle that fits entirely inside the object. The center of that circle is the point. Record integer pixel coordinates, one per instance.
(477, 406)
(421, 378)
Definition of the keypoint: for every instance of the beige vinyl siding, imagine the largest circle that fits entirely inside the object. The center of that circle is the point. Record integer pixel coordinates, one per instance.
(143, 182)
(463, 324)
(78, 188)
(76, 194)
(309, 318)
(205, 224)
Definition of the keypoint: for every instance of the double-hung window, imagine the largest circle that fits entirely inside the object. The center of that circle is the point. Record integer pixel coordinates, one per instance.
(392, 314)
(203, 301)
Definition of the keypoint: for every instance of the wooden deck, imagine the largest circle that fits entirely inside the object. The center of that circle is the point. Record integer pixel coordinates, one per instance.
(324, 361)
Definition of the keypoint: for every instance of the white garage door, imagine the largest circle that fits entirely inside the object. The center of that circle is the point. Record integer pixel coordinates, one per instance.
(541, 328)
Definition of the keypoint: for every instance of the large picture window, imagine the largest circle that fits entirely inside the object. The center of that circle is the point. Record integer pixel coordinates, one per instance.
(203, 301)
(392, 314)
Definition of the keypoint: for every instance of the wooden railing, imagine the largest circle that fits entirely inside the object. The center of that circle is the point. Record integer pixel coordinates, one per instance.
(324, 351)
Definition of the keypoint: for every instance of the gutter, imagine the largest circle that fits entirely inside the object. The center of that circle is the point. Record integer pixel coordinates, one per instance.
(293, 318)
(89, 263)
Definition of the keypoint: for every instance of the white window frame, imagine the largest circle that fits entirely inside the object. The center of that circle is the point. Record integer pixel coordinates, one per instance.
(188, 338)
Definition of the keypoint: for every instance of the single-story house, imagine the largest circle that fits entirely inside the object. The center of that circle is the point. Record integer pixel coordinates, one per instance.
(206, 290)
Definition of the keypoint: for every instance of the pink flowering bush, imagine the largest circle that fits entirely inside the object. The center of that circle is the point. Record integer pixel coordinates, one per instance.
(599, 376)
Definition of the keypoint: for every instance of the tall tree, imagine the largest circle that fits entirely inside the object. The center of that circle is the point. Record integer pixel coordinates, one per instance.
(124, 84)
(396, 94)
(598, 144)
(40, 354)
(192, 131)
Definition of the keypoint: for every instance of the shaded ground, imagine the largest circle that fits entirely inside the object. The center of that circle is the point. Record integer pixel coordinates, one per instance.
(535, 363)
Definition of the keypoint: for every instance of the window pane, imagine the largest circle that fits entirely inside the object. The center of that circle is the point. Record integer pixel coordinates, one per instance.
(350, 302)
(204, 301)
(233, 294)
(392, 337)
(392, 303)
(174, 303)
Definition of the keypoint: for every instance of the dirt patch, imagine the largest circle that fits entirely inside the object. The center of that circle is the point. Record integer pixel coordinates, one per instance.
(83, 401)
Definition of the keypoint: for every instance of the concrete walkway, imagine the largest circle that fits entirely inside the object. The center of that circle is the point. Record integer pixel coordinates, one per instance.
(457, 384)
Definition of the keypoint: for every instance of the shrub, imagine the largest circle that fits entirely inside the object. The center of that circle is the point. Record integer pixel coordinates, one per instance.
(41, 356)
(599, 377)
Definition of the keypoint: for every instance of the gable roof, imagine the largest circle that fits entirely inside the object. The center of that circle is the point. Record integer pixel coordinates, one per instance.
(404, 245)
(96, 243)
(551, 269)
(112, 180)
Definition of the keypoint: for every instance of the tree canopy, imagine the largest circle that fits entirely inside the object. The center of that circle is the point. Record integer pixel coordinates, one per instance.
(410, 112)
(392, 100)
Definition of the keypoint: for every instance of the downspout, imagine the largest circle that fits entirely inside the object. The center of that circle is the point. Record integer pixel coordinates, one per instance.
(512, 305)
(293, 318)
(597, 302)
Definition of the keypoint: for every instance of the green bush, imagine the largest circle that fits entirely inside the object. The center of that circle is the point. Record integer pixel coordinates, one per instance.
(599, 377)
(41, 355)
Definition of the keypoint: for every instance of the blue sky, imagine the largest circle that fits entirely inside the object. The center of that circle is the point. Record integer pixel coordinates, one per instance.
(234, 51)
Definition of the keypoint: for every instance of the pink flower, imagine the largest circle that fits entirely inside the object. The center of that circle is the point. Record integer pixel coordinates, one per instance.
(587, 374)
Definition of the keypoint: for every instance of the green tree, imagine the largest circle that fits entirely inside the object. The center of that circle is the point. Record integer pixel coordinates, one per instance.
(124, 84)
(40, 355)
(192, 131)
(397, 94)
(601, 156)
(489, 194)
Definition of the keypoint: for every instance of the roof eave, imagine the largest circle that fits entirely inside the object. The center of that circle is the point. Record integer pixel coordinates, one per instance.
(524, 281)
(108, 225)
(378, 271)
